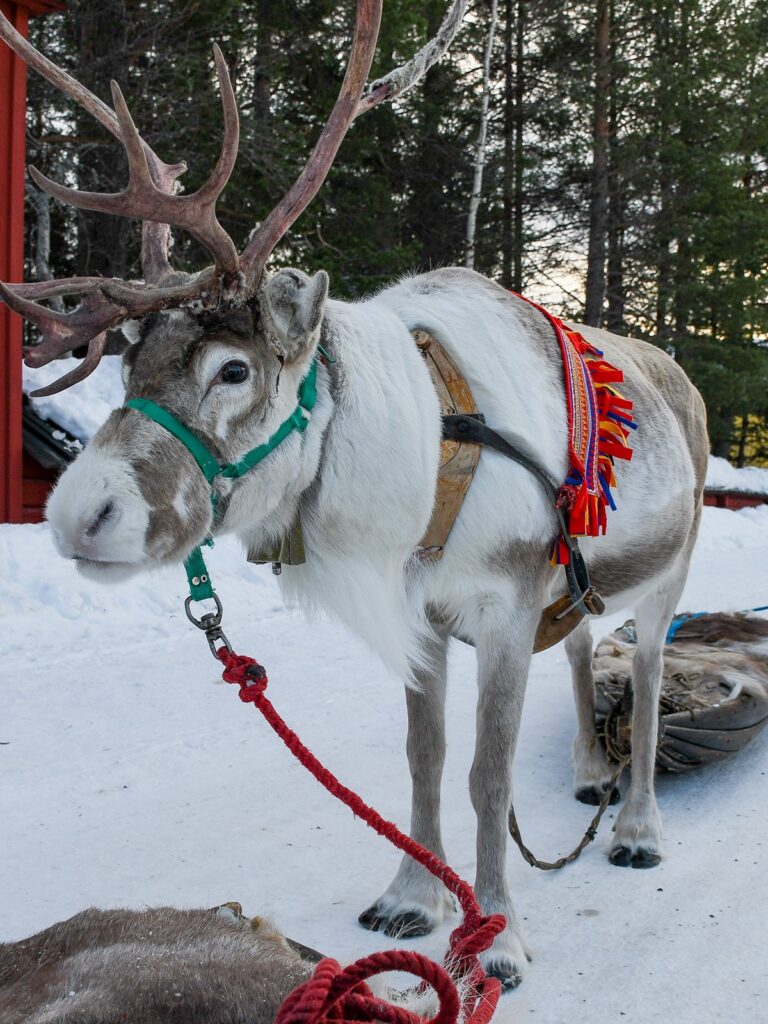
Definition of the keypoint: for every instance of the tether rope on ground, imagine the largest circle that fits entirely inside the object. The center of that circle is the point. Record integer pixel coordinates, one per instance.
(334, 994)
(589, 835)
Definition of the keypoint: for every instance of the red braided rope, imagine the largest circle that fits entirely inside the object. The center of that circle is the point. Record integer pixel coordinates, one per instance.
(334, 995)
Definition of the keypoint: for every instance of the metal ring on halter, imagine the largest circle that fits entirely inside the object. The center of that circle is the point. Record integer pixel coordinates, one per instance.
(208, 620)
(210, 624)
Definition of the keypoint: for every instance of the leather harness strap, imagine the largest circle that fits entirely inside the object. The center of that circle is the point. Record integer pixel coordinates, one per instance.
(458, 461)
(465, 433)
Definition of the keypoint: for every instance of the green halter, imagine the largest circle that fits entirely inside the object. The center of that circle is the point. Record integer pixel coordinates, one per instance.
(200, 586)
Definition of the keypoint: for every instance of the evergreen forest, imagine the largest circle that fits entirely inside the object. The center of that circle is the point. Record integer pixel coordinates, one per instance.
(608, 158)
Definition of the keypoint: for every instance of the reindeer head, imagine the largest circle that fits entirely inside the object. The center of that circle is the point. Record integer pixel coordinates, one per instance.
(136, 495)
(224, 351)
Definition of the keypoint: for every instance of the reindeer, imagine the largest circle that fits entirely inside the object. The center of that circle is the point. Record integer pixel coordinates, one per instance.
(226, 350)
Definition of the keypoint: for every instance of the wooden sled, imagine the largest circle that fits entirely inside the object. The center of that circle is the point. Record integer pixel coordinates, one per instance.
(714, 696)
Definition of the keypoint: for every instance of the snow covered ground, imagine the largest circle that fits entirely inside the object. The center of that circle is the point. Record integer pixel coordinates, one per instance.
(130, 776)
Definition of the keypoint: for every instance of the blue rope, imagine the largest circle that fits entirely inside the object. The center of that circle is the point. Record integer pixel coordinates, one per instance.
(677, 622)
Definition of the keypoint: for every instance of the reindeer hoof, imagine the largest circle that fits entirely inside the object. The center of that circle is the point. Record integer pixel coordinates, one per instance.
(592, 795)
(406, 925)
(621, 856)
(508, 973)
(372, 919)
(642, 857)
(645, 858)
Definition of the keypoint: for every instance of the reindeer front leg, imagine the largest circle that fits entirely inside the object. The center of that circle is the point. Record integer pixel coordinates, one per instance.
(503, 655)
(416, 901)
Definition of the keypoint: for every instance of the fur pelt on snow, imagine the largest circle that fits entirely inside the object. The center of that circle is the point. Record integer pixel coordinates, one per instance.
(164, 966)
(149, 967)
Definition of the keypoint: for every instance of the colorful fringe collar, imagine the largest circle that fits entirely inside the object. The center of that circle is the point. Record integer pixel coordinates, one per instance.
(599, 422)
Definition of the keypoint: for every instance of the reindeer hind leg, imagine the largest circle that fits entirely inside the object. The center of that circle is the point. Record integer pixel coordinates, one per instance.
(592, 773)
(637, 840)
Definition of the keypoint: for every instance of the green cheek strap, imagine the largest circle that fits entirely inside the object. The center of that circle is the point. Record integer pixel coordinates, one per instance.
(198, 578)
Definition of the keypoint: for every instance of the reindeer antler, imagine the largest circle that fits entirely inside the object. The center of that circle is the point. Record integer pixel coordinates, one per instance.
(155, 254)
(143, 199)
(149, 196)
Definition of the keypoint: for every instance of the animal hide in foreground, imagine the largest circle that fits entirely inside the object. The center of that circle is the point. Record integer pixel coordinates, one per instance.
(163, 966)
(150, 967)
(714, 696)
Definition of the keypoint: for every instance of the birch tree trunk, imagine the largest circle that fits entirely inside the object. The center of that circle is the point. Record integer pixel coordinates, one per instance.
(508, 150)
(477, 183)
(598, 199)
(41, 203)
(615, 290)
(520, 22)
(514, 123)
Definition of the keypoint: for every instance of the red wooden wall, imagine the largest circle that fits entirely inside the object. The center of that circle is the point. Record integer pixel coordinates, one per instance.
(734, 499)
(13, 93)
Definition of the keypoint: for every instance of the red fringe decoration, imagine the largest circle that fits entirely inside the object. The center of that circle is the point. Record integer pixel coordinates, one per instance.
(599, 422)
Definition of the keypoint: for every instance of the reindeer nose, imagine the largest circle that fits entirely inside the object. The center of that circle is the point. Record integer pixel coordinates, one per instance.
(108, 514)
(97, 511)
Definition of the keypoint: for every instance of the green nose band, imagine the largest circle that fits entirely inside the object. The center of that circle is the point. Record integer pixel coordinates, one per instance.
(200, 586)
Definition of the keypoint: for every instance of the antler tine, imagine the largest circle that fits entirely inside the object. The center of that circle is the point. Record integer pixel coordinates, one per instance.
(400, 80)
(155, 237)
(61, 286)
(143, 199)
(81, 371)
(305, 188)
(221, 173)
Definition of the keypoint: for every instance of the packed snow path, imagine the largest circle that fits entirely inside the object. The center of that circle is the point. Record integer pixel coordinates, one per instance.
(130, 777)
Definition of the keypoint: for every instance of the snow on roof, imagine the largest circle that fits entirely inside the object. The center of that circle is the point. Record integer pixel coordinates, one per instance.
(722, 476)
(81, 409)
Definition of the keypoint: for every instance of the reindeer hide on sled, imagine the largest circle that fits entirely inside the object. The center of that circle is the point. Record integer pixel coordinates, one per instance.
(714, 696)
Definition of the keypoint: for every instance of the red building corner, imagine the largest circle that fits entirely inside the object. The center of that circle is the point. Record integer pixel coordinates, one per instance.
(13, 97)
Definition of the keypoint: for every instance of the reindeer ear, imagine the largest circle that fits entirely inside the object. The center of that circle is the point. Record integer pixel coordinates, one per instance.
(292, 306)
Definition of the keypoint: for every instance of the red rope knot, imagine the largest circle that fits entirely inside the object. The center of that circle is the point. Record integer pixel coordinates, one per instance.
(466, 943)
(245, 672)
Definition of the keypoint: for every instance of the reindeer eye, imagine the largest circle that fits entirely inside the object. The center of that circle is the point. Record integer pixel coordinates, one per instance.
(234, 372)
